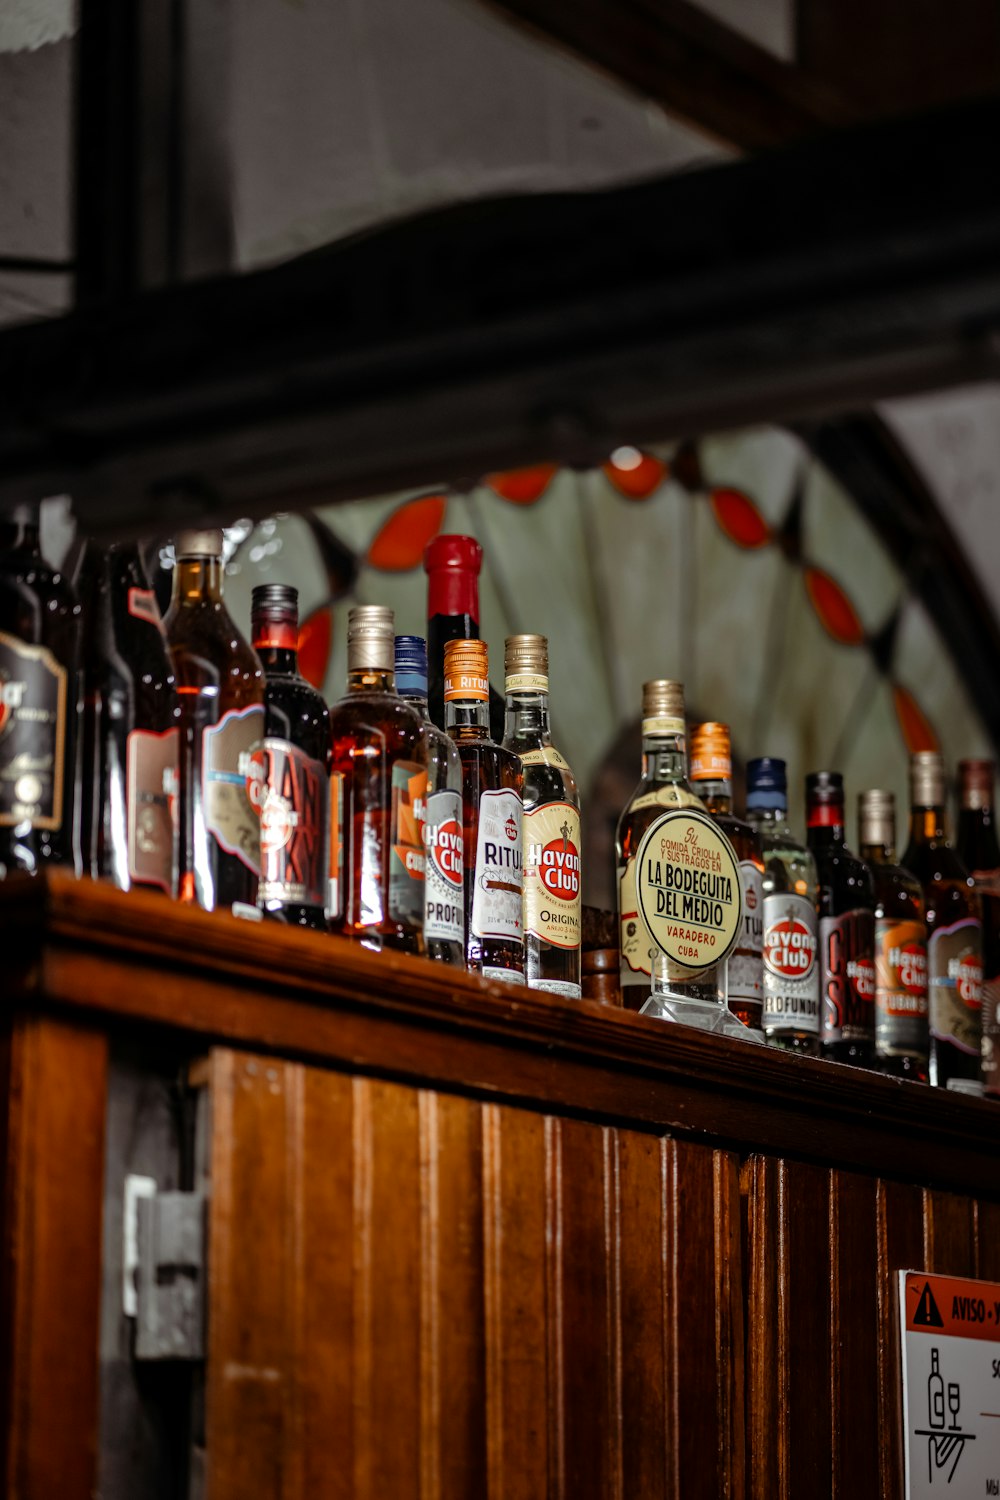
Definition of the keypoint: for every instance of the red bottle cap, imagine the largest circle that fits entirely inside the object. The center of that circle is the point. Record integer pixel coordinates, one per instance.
(452, 566)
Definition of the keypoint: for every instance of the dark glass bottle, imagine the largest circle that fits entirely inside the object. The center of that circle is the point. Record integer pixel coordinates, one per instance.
(39, 701)
(131, 735)
(294, 768)
(220, 689)
(902, 1040)
(492, 814)
(452, 564)
(954, 930)
(980, 853)
(378, 796)
(846, 927)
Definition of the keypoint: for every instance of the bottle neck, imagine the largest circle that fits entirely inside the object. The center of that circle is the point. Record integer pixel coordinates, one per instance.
(927, 825)
(664, 757)
(471, 715)
(717, 794)
(527, 716)
(417, 701)
(767, 817)
(198, 580)
(371, 680)
(878, 854)
(276, 643)
(977, 838)
(825, 826)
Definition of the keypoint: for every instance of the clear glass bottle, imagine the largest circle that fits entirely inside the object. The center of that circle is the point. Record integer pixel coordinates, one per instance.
(444, 863)
(378, 796)
(663, 784)
(901, 1036)
(791, 923)
(294, 768)
(954, 931)
(220, 690)
(492, 813)
(712, 779)
(552, 910)
(980, 853)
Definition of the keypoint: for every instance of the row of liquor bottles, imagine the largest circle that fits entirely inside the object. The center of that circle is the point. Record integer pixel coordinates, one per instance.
(208, 768)
(860, 959)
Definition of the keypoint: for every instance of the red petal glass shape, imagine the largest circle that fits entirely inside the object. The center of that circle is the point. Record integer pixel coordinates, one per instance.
(523, 486)
(739, 518)
(836, 613)
(918, 731)
(637, 479)
(400, 543)
(315, 642)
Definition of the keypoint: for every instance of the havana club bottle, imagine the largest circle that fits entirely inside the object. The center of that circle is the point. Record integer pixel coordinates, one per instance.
(491, 803)
(452, 564)
(220, 689)
(980, 853)
(293, 772)
(663, 785)
(954, 928)
(39, 700)
(846, 927)
(131, 734)
(552, 916)
(791, 892)
(712, 779)
(378, 796)
(444, 862)
(902, 1041)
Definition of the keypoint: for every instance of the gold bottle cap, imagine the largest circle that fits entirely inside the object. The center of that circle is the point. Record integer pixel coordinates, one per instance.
(466, 671)
(206, 543)
(976, 779)
(927, 783)
(371, 639)
(877, 818)
(526, 664)
(711, 757)
(662, 707)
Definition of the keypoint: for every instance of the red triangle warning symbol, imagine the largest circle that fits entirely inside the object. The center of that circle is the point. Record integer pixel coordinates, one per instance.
(927, 1309)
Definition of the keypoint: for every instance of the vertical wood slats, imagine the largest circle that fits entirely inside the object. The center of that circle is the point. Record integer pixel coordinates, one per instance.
(418, 1295)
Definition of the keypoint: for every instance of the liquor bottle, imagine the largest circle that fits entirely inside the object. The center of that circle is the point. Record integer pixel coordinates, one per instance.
(220, 688)
(293, 775)
(846, 927)
(980, 853)
(712, 779)
(791, 893)
(662, 785)
(954, 930)
(491, 812)
(444, 862)
(935, 1391)
(131, 735)
(452, 564)
(378, 796)
(552, 915)
(39, 700)
(902, 1041)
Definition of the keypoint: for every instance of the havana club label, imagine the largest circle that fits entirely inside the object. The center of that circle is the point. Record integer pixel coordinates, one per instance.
(406, 851)
(847, 983)
(499, 878)
(900, 986)
(552, 874)
(954, 980)
(688, 890)
(151, 787)
(791, 972)
(33, 691)
(291, 789)
(746, 982)
(228, 776)
(444, 868)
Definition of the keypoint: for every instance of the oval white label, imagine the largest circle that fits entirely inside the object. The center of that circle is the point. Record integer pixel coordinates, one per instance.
(688, 888)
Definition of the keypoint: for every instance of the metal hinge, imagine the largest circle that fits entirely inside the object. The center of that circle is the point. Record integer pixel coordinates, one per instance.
(164, 1270)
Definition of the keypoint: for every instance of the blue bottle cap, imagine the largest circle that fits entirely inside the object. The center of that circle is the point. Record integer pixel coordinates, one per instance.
(767, 783)
(411, 665)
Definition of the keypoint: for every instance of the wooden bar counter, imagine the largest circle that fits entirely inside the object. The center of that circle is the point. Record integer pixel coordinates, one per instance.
(462, 1239)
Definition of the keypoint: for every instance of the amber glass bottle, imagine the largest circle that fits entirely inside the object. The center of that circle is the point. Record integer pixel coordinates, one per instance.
(902, 1041)
(979, 852)
(954, 929)
(378, 796)
(220, 689)
(491, 814)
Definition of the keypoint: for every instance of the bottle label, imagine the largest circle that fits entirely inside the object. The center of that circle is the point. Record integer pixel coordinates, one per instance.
(662, 724)
(143, 606)
(847, 963)
(463, 685)
(499, 879)
(444, 868)
(526, 682)
(688, 889)
(406, 852)
(503, 976)
(668, 795)
(545, 755)
(552, 874)
(791, 973)
(991, 1035)
(33, 690)
(900, 986)
(562, 987)
(292, 790)
(955, 979)
(746, 980)
(228, 791)
(334, 907)
(152, 778)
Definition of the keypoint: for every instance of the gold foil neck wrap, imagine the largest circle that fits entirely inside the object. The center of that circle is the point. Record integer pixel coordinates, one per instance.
(192, 543)
(663, 699)
(927, 784)
(975, 779)
(877, 818)
(466, 671)
(526, 664)
(371, 639)
(710, 752)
